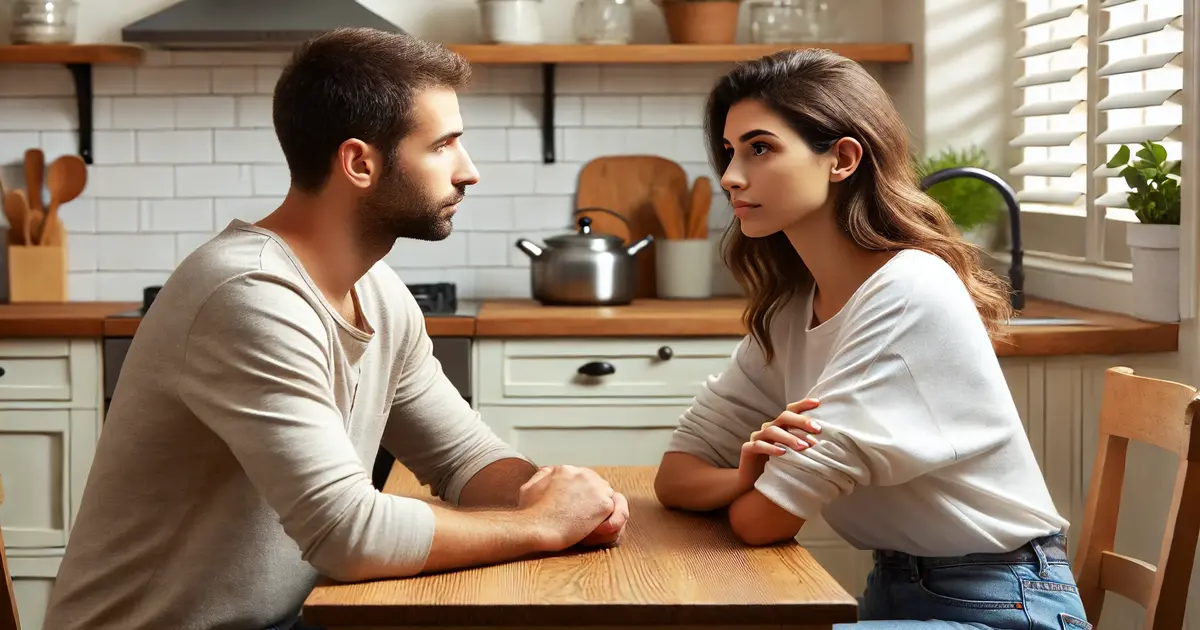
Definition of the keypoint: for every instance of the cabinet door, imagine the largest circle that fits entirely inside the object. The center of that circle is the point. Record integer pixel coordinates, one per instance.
(33, 579)
(35, 447)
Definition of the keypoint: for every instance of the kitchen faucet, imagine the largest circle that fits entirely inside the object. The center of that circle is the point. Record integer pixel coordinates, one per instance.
(1016, 270)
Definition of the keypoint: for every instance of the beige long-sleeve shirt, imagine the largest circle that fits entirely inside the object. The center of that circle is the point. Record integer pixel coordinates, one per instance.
(232, 468)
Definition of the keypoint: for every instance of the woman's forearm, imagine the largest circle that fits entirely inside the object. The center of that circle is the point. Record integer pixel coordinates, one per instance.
(687, 482)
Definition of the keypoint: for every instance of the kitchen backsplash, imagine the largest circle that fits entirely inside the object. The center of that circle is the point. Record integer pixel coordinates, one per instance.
(184, 144)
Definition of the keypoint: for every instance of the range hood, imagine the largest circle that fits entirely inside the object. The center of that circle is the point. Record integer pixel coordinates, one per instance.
(248, 24)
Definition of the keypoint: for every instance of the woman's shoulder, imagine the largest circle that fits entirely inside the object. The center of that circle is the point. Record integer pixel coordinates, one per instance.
(916, 283)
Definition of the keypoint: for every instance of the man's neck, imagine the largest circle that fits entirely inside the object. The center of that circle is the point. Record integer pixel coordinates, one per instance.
(327, 240)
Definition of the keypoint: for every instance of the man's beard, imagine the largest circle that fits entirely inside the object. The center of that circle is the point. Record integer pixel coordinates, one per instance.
(400, 208)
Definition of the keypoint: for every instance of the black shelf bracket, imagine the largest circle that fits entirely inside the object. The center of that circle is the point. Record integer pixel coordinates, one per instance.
(548, 113)
(82, 73)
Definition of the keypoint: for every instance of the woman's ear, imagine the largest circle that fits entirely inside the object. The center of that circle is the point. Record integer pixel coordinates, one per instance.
(847, 154)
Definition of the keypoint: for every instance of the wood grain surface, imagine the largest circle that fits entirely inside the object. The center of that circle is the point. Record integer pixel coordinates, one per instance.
(672, 568)
(1105, 333)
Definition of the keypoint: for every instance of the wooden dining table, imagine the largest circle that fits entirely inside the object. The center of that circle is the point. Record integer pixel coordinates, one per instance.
(671, 569)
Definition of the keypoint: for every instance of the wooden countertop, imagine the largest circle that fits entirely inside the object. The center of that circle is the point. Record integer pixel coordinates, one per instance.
(1104, 333)
(672, 568)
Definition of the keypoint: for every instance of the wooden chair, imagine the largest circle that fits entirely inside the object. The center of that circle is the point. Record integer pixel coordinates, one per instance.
(8, 599)
(1160, 413)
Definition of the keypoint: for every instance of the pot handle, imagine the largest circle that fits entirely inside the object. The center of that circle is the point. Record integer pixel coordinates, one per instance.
(585, 222)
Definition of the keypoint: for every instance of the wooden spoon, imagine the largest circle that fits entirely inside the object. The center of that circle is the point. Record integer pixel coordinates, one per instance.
(669, 211)
(17, 209)
(697, 219)
(67, 179)
(35, 167)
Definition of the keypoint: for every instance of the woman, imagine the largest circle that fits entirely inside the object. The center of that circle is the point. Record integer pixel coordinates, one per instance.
(871, 326)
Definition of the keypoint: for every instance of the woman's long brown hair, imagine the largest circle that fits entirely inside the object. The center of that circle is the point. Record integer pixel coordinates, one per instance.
(825, 97)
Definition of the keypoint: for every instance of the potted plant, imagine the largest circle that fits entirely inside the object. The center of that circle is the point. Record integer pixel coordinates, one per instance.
(701, 21)
(1153, 241)
(973, 204)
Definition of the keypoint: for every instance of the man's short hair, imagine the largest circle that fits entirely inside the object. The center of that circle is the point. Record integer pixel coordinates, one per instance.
(355, 83)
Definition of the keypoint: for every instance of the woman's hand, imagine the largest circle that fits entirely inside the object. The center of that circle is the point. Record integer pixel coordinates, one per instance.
(790, 429)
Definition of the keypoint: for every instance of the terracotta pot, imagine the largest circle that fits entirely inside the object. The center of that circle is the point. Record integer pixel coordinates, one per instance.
(701, 22)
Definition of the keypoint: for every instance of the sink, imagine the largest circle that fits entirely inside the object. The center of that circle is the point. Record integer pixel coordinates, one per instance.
(1048, 321)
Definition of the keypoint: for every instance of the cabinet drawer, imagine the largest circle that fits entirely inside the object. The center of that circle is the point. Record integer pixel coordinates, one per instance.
(618, 368)
(35, 370)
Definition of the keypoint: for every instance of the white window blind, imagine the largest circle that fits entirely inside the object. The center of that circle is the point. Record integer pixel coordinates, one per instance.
(1095, 75)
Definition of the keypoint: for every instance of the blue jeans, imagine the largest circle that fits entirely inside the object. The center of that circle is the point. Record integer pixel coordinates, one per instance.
(1031, 588)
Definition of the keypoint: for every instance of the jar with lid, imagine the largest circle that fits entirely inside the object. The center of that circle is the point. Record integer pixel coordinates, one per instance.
(44, 21)
(791, 22)
(604, 21)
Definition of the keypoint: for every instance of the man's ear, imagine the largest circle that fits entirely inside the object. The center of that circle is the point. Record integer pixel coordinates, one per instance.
(357, 162)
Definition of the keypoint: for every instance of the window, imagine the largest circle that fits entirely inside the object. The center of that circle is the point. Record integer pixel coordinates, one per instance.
(1094, 75)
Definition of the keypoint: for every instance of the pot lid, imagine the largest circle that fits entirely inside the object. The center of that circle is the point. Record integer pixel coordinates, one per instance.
(585, 237)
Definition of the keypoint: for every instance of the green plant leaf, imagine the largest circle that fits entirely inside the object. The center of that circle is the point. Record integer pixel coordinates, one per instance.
(1160, 152)
(1120, 158)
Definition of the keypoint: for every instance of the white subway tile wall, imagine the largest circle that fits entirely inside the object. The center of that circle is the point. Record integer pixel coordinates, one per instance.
(184, 144)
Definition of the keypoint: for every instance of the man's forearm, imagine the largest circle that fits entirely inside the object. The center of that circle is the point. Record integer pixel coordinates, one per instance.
(471, 538)
(497, 485)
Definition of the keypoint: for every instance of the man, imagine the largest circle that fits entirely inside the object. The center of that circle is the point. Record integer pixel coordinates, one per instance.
(233, 464)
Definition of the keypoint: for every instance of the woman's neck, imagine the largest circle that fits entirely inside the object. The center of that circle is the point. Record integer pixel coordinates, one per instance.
(838, 265)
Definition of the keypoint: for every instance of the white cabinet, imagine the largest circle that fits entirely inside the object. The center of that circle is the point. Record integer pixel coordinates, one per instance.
(531, 393)
(50, 413)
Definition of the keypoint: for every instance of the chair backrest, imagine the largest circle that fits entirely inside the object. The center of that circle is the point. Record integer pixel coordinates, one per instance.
(8, 599)
(1160, 413)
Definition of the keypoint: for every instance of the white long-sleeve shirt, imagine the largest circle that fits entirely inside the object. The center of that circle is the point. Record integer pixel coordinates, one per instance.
(233, 465)
(921, 448)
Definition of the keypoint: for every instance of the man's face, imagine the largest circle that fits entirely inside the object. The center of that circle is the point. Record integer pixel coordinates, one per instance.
(418, 197)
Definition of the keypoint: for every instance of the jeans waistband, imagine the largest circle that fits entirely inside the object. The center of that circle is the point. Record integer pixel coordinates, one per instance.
(1038, 551)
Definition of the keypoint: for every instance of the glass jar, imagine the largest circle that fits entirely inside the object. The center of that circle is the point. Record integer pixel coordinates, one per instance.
(604, 21)
(791, 22)
(44, 21)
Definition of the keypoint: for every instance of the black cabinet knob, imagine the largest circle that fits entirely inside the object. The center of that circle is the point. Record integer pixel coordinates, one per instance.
(597, 368)
(1, 371)
(665, 353)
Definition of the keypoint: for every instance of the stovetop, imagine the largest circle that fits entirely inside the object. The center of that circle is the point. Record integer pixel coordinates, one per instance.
(438, 299)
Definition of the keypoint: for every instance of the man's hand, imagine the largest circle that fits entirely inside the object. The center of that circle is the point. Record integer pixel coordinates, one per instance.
(606, 533)
(570, 503)
(609, 532)
(790, 429)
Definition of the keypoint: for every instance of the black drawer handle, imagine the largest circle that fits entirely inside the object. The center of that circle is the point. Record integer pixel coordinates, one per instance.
(597, 368)
(1, 371)
(665, 353)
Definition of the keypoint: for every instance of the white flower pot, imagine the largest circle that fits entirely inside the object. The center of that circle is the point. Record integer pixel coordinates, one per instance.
(1155, 252)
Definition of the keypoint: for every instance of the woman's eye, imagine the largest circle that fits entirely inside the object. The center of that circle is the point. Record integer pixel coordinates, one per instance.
(759, 148)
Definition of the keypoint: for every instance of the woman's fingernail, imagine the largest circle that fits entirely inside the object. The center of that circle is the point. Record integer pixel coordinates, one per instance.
(815, 426)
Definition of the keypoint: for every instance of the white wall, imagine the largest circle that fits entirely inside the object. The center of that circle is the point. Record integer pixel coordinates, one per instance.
(184, 142)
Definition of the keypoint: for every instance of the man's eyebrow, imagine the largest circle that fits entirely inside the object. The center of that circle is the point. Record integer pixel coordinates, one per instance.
(447, 137)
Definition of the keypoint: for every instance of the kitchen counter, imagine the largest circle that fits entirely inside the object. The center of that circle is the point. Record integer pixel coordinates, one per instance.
(672, 569)
(1102, 333)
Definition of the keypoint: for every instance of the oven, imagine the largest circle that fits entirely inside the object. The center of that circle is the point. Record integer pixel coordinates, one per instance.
(436, 300)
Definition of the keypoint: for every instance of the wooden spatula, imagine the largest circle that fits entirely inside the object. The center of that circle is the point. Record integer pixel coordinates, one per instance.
(701, 201)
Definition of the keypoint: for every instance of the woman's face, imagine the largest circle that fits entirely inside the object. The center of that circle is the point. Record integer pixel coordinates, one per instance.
(774, 179)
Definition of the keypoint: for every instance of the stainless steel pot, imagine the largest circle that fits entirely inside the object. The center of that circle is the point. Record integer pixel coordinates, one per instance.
(584, 268)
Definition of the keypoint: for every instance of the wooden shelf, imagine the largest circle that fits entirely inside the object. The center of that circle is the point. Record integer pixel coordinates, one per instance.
(79, 59)
(667, 53)
(550, 55)
(72, 53)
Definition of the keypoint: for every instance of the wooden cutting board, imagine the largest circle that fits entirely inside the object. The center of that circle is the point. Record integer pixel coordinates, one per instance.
(625, 184)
